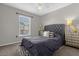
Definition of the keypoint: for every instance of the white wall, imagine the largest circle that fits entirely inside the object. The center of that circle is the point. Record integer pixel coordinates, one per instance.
(60, 15)
(9, 25)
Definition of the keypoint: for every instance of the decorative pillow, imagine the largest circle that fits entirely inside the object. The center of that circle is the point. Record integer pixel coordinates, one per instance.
(46, 33)
(51, 34)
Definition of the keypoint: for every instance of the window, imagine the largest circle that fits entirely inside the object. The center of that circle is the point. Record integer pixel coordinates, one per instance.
(24, 25)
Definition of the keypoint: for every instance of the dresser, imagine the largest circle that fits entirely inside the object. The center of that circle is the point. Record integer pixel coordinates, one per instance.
(71, 38)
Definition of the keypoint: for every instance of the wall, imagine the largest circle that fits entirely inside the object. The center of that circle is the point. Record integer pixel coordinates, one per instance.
(9, 24)
(9, 21)
(59, 16)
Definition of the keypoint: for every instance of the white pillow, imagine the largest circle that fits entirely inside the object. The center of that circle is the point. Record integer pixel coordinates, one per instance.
(46, 33)
(51, 35)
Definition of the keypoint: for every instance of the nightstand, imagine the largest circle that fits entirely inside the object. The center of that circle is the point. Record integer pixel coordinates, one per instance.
(41, 33)
(72, 38)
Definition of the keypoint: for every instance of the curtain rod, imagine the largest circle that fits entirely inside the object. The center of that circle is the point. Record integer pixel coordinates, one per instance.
(23, 14)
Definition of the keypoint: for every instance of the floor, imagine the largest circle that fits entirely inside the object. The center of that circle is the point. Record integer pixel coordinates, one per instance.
(13, 50)
(10, 50)
(67, 51)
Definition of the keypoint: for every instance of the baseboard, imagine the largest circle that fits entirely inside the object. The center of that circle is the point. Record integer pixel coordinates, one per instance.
(10, 43)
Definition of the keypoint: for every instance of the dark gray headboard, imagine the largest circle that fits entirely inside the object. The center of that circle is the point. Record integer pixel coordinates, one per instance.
(57, 28)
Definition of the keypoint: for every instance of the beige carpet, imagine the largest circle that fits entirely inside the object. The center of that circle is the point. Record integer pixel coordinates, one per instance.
(13, 50)
(10, 50)
(67, 51)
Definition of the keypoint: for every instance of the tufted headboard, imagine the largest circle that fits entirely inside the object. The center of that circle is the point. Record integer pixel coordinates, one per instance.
(56, 28)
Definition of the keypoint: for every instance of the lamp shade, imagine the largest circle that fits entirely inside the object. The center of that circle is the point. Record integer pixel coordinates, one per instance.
(71, 25)
(69, 22)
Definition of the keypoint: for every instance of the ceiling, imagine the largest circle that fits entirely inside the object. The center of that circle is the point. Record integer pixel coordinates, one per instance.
(38, 8)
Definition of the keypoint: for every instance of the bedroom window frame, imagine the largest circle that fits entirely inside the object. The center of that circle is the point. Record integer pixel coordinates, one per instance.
(29, 34)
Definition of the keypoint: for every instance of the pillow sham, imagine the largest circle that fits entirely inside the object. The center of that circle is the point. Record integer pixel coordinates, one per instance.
(51, 34)
(46, 33)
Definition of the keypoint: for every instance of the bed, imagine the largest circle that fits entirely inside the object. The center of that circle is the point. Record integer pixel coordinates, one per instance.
(44, 46)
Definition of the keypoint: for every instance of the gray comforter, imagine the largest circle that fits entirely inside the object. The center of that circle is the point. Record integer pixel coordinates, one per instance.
(42, 46)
